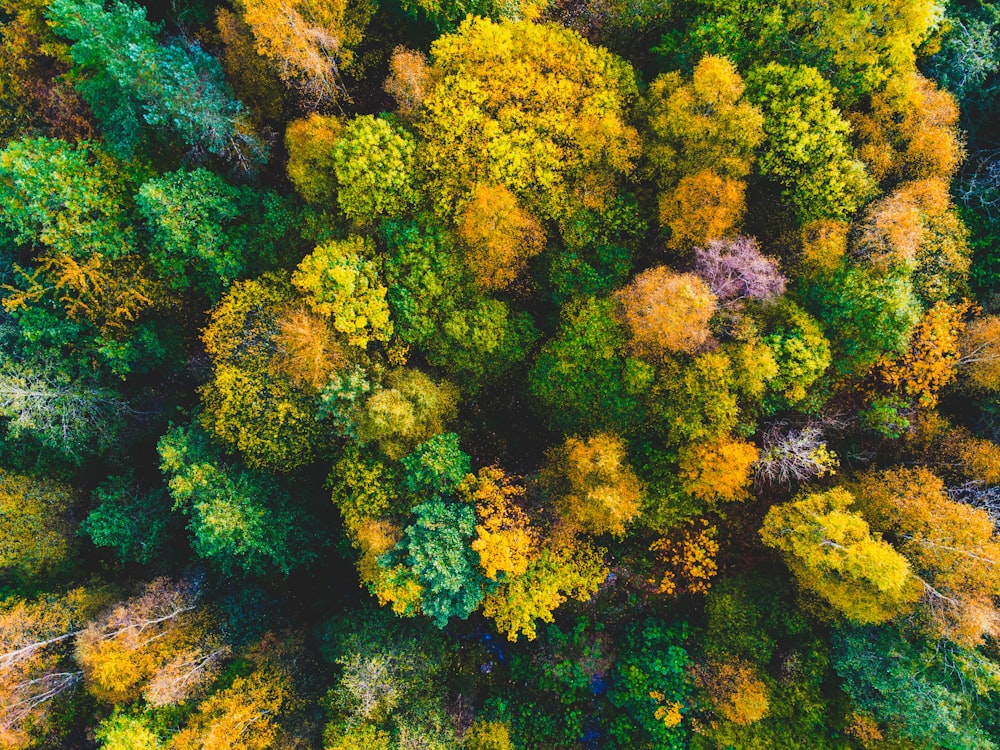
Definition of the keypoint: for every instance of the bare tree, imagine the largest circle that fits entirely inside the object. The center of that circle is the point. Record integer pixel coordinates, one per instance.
(793, 455)
(735, 270)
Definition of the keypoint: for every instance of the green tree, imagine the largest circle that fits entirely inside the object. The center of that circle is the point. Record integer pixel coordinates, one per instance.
(130, 80)
(436, 467)
(242, 520)
(128, 519)
(807, 145)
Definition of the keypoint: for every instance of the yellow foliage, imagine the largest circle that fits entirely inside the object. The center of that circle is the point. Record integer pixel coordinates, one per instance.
(689, 559)
(735, 690)
(310, 165)
(340, 281)
(499, 236)
(596, 489)
(704, 206)
(667, 312)
(981, 352)
(505, 541)
(717, 470)
(824, 243)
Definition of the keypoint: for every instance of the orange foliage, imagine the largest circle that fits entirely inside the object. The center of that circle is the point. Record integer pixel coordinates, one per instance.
(704, 206)
(689, 559)
(254, 81)
(409, 80)
(717, 470)
(307, 350)
(597, 490)
(950, 546)
(911, 132)
(499, 236)
(929, 365)
(735, 690)
(667, 312)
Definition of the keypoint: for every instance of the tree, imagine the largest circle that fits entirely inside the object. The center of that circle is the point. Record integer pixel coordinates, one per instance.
(506, 542)
(717, 470)
(435, 550)
(520, 601)
(666, 312)
(190, 216)
(529, 106)
(68, 199)
(240, 519)
(308, 43)
(704, 207)
(35, 537)
(155, 644)
(436, 467)
(129, 519)
(35, 640)
(703, 124)
(734, 689)
(868, 316)
(686, 558)
(374, 162)
(807, 147)
(833, 553)
(980, 352)
(499, 236)
(409, 80)
(951, 548)
(794, 455)
(340, 280)
(122, 731)
(594, 487)
(409, 410)
(75, 417)
(800, 350)
(128, 79)
(696, 400)
(270, 419)
(735, 270)
(243, 716)
(931, 361)
(911, 132)
(311, 157)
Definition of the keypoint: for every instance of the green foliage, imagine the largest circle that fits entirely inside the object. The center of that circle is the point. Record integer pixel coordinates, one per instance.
(436, 551)
(374, 163)
(581, 376)
(800, 350)
(241, 520)
(807, 143)
(436, 467)
(192, 220)
(437, 309)
(925, 692)
(131, 81)
(127, 519)
(65, 198)
(867, 316)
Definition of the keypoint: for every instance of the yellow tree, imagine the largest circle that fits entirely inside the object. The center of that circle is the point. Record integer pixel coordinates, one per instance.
(311, 162)
(687, 559)
(704, 206)
(596, 490)
(499, 236)
(505, 541)
(930, 363)
(666, 312)
(156, 644)
(833, 553)
(734, 689)
(533, 107)
(35, 536)
(980, 352)
(566, 571)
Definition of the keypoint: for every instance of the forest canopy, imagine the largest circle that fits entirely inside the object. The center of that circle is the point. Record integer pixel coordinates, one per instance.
(542, 374)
